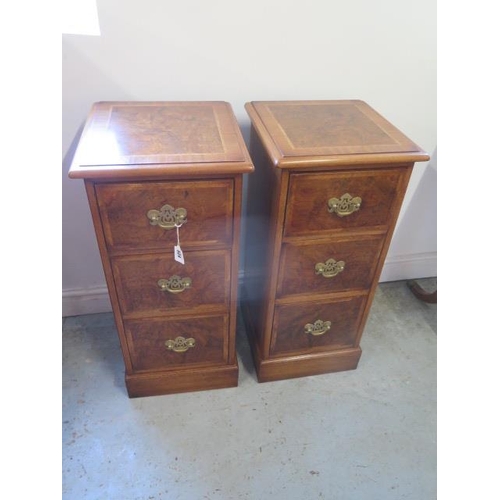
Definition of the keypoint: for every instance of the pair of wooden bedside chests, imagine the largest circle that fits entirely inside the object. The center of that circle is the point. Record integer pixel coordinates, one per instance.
(164, 183)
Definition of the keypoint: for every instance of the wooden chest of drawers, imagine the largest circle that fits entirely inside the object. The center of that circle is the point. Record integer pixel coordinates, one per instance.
(322, 206)
(156, 173)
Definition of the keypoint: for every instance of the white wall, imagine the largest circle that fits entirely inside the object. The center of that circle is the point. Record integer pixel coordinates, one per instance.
(382, 52)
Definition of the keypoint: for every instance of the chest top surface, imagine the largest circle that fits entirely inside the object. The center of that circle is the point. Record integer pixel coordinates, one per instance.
(320, 132)
(158, 138)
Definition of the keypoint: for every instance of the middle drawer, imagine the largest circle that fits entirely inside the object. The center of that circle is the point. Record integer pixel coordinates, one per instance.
(152, 285)
(324, 267)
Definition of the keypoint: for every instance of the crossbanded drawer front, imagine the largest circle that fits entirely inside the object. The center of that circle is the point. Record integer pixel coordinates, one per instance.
(326, 203)
(316, 326)
(149, 285)
(309, 267)
(143, 216)
(160, 344)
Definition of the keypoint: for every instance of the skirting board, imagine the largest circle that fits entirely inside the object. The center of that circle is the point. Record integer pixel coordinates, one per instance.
(407, 267)
(96, 300)
(79, 301)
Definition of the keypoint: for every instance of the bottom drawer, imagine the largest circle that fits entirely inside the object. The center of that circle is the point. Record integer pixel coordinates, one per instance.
(160, 344)
(302, 328)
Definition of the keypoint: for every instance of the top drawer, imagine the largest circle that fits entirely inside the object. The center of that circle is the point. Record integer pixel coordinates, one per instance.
(142, 215)
(328, 202)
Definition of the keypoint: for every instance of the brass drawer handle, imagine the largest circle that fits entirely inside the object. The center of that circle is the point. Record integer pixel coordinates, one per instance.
(346, 205)
(167, 217)
(318, 328)
(330, 268)
(174, 284)
(180, 344)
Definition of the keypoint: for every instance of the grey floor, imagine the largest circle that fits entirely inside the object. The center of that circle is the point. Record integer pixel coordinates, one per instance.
(367, 434)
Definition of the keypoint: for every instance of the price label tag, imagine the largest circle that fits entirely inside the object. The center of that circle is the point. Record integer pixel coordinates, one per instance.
(178, 255)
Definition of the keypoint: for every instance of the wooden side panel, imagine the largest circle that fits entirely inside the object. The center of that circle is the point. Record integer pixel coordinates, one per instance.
(267, 194)
(235, 263)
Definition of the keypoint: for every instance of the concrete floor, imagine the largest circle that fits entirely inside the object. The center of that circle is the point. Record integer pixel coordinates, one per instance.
(367, 434)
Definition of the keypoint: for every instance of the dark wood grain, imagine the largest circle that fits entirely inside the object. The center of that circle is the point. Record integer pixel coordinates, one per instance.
(293, 366)
(298, 274)
(309, 194)
(289, 322)
(137, 276)
(124, 208)
(146, 339)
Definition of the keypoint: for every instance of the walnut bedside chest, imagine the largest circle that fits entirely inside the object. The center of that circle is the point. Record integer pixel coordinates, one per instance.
(159, 176)
(322, 206)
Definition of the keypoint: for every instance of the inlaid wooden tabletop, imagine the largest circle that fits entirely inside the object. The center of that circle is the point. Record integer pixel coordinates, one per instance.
(299, 132)
(159, 136)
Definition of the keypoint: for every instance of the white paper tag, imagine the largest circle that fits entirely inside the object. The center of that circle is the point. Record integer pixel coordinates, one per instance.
(178, 255)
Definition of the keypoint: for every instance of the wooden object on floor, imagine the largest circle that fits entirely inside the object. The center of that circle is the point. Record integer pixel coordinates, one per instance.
(322, 206)
(159, 173)
(421, 294)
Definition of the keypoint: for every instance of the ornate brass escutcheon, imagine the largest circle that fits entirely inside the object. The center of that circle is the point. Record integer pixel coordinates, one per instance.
(318, 328)
(167, 217)
(174, 284)
(330, 268)
(180, 344)
(346, 205)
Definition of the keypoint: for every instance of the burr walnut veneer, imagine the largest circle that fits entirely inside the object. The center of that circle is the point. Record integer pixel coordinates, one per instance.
(155, 172)
(323, 203)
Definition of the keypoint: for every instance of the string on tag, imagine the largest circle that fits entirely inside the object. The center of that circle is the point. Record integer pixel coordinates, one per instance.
(178, 255)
